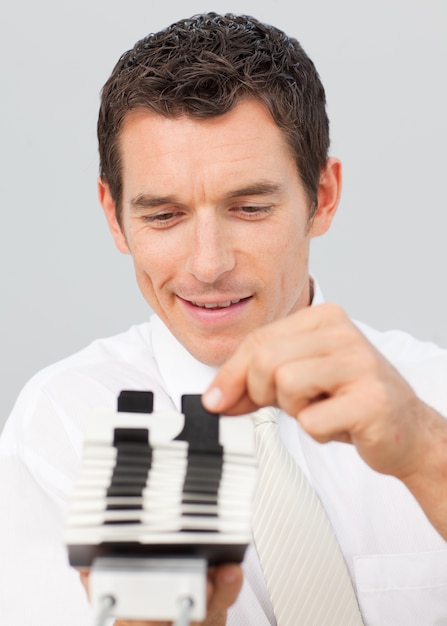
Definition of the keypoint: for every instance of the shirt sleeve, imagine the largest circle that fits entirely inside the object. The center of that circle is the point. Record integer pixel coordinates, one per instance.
(39, 452)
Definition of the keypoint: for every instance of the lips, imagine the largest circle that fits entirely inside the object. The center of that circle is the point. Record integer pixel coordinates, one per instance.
(213, 313)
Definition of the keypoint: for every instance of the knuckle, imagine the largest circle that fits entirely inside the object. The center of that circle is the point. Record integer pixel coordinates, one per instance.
(333, 311)
(263, 361)
(288, 393)
(285, 380)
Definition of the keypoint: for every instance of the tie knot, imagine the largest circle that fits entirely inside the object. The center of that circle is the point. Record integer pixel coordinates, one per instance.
(266, 414)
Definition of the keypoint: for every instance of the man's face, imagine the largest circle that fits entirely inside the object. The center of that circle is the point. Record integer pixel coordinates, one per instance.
(216, 219)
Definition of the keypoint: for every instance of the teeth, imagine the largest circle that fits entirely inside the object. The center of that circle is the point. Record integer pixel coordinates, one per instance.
(217, 305)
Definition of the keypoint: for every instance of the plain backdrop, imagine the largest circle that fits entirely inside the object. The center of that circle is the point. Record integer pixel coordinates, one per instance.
(384, 66)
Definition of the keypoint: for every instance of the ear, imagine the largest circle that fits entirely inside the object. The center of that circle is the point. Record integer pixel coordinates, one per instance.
(329, 190)
(109, 208)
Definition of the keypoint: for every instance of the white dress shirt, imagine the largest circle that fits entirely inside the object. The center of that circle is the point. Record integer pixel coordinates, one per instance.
(397, 561)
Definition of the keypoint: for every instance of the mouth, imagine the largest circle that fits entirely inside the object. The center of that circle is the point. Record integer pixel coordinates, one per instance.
(217, 314)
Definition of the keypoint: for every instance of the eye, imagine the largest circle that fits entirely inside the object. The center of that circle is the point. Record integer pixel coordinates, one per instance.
(160, 220)
(252, 211)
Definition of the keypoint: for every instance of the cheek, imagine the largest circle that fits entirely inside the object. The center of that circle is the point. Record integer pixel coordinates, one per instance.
(156, 260)
(292, 269)
(289, 254)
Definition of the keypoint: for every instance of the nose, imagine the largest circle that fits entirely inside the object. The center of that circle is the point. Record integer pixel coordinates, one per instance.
(211, 253)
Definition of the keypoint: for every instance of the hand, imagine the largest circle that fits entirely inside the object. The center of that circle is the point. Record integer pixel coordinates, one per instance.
(318, 367)
(223, 586)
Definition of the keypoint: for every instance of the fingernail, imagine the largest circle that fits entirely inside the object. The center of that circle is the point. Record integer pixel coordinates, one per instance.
(212, 398)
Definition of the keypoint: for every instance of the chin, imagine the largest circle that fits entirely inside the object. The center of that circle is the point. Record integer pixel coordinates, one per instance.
(214, 356)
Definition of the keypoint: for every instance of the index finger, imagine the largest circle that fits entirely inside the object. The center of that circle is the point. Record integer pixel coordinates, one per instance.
(228, 393)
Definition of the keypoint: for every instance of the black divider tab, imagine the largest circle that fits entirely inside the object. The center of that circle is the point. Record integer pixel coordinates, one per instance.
(131, 438)
(201, 428)
(136, 402)
(205, 454)
(133, 462)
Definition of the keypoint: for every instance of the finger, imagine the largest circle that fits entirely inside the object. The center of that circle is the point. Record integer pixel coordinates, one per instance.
(229, 387)
(359, 416)
(226, 584)
(84, 575)
(329, 396)
(327, 420)
(299, 384)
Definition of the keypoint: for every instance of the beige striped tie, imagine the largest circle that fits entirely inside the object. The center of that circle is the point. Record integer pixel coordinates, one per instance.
(303, 566)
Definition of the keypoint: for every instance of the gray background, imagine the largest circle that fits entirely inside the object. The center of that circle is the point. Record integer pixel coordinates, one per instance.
(384, 67)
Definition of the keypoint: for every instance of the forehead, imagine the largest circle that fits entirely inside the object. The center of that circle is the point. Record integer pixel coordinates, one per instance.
(247, 120)
(245, 141)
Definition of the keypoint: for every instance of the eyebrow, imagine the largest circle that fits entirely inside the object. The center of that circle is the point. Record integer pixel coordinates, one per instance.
(261, 188)
(146, 201)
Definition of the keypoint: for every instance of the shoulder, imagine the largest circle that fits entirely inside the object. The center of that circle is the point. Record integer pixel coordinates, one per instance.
(88, 379)
(128, 351)
(400, 345)
(422, 363)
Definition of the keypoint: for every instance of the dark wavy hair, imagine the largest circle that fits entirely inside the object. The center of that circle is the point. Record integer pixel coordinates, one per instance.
(203, 67)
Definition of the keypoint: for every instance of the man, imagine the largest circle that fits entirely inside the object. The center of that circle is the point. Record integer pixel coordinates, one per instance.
(215, 176)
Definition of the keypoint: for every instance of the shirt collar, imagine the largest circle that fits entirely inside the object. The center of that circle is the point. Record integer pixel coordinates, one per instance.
(318, 297)
(180, 371)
